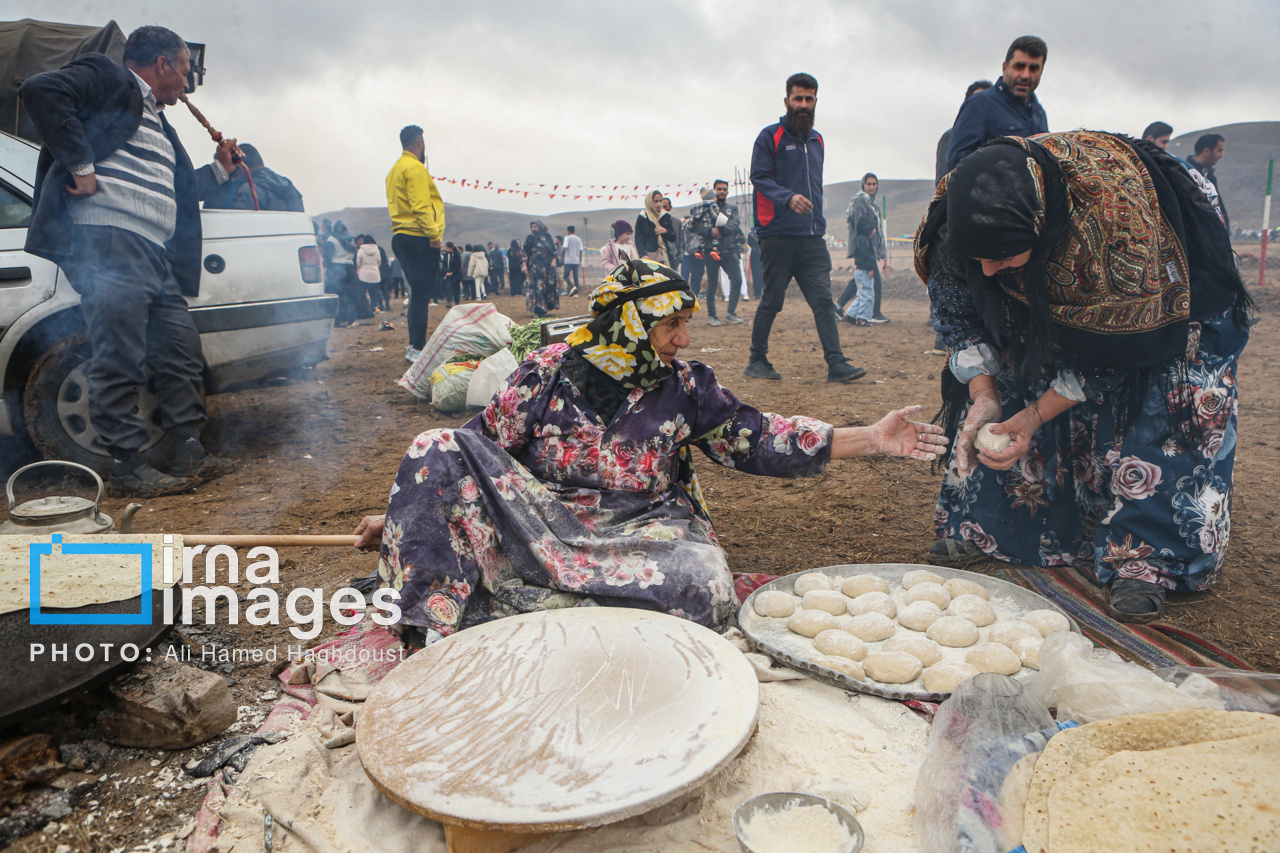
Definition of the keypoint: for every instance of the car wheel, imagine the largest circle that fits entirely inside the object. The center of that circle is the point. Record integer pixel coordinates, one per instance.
(56, 406)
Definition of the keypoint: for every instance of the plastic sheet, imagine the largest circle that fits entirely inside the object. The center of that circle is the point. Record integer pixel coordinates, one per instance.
(489, 376)
(1240, 690)
(972, 786)
(1085, 684)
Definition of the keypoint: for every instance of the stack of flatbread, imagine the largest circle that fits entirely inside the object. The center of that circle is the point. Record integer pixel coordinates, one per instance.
(1182, 780)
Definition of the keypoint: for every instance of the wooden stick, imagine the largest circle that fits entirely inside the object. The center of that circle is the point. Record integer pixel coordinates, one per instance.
(270, 540)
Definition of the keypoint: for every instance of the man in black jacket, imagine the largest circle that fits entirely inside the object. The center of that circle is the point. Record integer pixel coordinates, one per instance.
(224, 184)
(116, 208)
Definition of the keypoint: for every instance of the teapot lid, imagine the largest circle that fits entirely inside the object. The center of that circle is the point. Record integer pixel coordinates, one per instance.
(53, 507)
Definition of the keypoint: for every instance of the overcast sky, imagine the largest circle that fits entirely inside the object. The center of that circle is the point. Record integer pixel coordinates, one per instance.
(672, 91)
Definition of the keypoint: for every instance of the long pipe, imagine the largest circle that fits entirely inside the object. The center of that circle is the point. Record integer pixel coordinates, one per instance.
(270, 540)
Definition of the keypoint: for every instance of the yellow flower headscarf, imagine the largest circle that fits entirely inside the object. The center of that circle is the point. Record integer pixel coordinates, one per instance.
(630, 302)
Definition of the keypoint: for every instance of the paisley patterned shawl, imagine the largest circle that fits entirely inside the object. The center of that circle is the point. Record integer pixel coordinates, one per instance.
(1121, 268)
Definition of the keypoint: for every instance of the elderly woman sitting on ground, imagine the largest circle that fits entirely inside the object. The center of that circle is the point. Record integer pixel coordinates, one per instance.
(575, 486)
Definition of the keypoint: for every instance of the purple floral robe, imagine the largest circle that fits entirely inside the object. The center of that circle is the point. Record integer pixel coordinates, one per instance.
(538, 503)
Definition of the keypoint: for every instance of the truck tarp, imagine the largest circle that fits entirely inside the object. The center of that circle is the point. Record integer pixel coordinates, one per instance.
(29, 47)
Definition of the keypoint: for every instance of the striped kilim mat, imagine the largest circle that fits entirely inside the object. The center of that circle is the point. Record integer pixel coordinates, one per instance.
(1073, 590)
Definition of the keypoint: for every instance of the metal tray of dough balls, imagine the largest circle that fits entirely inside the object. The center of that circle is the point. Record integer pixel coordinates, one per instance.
(773, 638)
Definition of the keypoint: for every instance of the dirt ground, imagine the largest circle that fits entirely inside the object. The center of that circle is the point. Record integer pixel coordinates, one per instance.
(318, 451)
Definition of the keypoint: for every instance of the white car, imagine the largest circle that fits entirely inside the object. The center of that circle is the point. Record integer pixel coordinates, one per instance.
(262, 310)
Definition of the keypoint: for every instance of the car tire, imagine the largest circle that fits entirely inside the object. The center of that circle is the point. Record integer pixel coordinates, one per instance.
(56, 406)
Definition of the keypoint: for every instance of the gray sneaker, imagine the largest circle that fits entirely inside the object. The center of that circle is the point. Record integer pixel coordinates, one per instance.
(732, 318)
(761, 370)
(712, 321)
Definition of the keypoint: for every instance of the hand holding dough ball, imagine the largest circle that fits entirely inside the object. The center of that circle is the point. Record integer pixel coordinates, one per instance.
(957, 587)
(825, 599)
(919, 615)
(851, 668)
(892, 667)
(1028, 650)
(811, 623)
(916, 576)
(840, 644)
(871, 627)
(988, 440)
(1006, 633)
(810, 581)
(873, 602)
(952, 631)
(946, 676)
(921, 648)
(862, 584)
(777, 605)
(993, 657)
(1047, 621)
(928, 591)
(975, 609)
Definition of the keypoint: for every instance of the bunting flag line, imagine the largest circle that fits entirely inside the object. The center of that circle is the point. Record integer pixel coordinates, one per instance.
(589, 192)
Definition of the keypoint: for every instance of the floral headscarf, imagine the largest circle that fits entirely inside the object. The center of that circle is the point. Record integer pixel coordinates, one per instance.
(634, 298)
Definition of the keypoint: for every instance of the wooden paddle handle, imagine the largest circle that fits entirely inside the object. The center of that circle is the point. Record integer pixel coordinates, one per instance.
(270, 540)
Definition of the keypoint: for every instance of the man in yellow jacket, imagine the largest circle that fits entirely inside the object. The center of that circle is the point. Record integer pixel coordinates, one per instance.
(417, 229)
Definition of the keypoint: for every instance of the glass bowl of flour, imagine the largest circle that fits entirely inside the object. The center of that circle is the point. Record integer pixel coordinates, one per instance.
(786, 821)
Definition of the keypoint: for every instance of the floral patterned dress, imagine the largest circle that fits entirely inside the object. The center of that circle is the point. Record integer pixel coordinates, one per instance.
(1146, 506)
(538, 503)
(543, 294)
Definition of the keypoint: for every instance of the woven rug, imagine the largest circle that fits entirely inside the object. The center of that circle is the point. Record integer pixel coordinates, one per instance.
(1155, 645)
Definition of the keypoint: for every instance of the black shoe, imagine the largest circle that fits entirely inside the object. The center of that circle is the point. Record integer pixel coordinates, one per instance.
(184, 458)
(845, 373)
(761, 370)
(1135, 601)
(146, 482)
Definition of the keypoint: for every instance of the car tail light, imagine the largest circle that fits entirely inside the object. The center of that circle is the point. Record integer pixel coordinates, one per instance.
(309, 261)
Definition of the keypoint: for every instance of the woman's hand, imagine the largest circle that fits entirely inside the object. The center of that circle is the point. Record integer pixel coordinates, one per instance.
(984, 408)
(1020, 428)
(369, 532)
(896, 435)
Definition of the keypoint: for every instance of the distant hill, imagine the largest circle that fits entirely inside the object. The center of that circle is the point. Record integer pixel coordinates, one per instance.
(1242, 176)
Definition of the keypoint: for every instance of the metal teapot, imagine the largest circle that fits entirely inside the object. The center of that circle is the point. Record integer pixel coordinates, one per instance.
(62, 514)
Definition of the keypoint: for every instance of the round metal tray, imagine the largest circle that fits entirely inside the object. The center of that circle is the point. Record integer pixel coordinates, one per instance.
(773, 638)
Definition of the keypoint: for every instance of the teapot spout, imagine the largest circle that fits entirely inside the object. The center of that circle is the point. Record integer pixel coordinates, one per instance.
(126, 517)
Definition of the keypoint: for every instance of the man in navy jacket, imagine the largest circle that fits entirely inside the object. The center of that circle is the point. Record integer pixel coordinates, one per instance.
(786, 171)
(1009, 108)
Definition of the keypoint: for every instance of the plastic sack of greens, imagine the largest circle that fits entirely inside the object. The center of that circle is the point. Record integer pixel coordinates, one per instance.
(977, 768)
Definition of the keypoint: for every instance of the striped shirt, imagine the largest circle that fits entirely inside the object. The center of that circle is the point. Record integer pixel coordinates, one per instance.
(135, 182)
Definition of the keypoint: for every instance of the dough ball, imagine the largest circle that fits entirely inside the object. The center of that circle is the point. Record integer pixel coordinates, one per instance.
(916, 576)
(988, 440)
(873, 602)
(973, 608)
(825, 599)
(862, 584)
(921, 648)
(951, 631)
(841, 644)
(811, 581)
(993, 657)
(946, 676)
(811, 623)
(775, 604)
(844, 621)
(851, 668)
(928, 591)
(1006, 633)
(893, 667)
(1046, 621)
(957, 587)
(871, 627)
(1028, 650)
(919, 615)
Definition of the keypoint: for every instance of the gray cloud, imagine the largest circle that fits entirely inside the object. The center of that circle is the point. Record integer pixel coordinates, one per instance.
(672, 91)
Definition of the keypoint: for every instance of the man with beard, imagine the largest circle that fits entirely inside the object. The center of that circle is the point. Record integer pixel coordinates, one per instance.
(786, 169)
(716, 223)
(1208, 151)
(1009, 108)
(417, 228)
